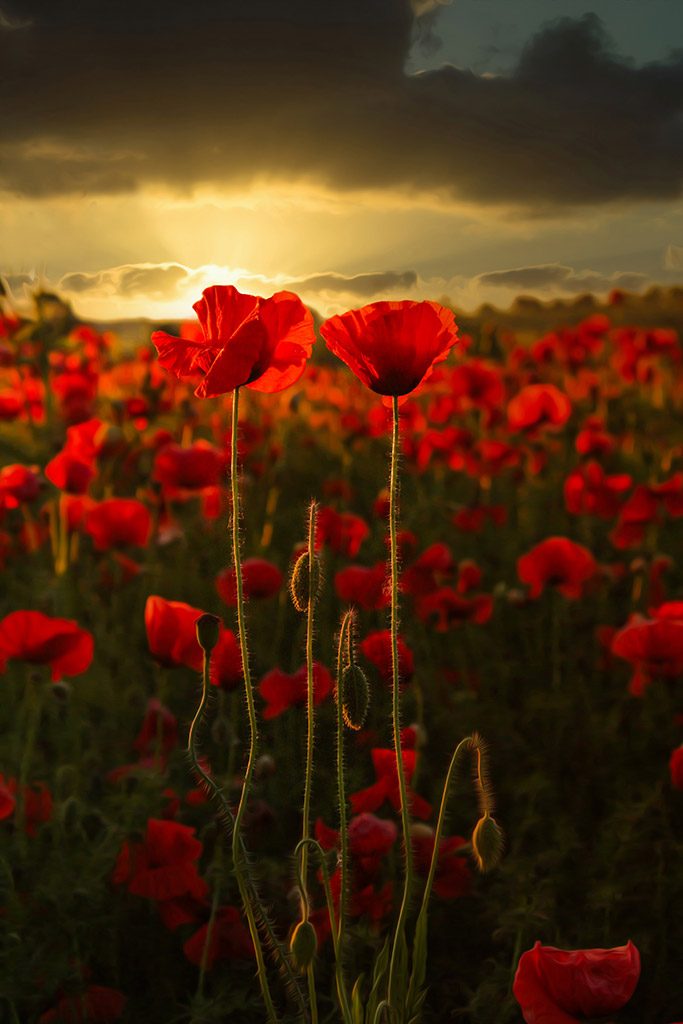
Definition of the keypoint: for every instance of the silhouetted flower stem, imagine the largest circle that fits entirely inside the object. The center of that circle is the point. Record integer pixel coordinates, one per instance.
(239, 865)
(309, 707)
(399, 935)
(345, 640)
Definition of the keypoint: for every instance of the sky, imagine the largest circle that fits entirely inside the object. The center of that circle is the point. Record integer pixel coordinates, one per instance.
(347, 150)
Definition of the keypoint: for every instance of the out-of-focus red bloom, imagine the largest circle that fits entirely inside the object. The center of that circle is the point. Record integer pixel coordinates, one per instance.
(11, 405)
(387, 785)
(172, 634)
(480, 382)
(342, 532)
(676, 767)
(282, 691)
(655, 648)
(538, 405)
(96, 1004)
(159, 724)
(189, 469)
(453, 877)
(19, 485)
(361, 586)
(558, 562)
(260, 579)
(471, 520)
(587, 491)
(593, 439)
(558, 986)
(118, 522)
(36, 797)
(70, 473)
(370, 836)
(76, 393)
(469, 576)
(230, 940)
(376, 647)
(635, 516)
(429, 571)
(163, 866)
(263, 343)
(446, 608)
(41, 640)
(225, 669)
(392, 346)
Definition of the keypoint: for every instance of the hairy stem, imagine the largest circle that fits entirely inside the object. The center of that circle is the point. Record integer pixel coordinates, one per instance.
(396, 709)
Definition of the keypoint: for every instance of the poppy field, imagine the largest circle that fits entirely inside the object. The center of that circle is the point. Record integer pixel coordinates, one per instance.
(341, 667)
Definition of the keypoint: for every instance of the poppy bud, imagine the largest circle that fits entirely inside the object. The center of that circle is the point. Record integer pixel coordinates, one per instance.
(303, 945)
(300, 580)
(208, 631)
(355, 696)
(61, 691)
(487, 843)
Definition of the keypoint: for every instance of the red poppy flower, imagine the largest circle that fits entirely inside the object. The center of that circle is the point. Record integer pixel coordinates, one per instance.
(559, 562)
(453, 877)
(538, 405)
(41, 640)
(361, 586)
(387, 785)
(676, 767)
(392, 346)
(193, 468)
(558, 986)
(96, 1005)
(263, 343)
(260, 579)
(376, 647)
(282, 691)
(118, 522)
(172, 634)
(226, 670)
(588, 491)
(230, 940)
(446, 608)
(70, 473)
(472, 519)
(159, 724)
(19, 485)
(342, 532)
(429, 571)
(654, 646)
(370, 836)
(163, 866)
(37, 802)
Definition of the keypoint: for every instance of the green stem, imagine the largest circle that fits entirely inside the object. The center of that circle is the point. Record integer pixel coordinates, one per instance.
(249, 897)
(309, 708)
(396, 710)
(237, 852)
(344, 639)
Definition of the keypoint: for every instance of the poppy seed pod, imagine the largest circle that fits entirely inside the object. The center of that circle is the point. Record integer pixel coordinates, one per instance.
(355, 696)
(208, 631)
(303, 945)
(487, 843)
(299, 584)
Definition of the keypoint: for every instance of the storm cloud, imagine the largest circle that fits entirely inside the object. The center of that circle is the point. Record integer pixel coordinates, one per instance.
(113, 98)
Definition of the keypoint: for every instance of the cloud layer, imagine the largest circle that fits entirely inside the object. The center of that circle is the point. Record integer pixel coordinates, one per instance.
(113, 98)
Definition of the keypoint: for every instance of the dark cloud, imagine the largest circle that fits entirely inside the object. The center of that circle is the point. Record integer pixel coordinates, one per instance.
(362, 285)
(554, 277)
(110, 97)
(169, 280)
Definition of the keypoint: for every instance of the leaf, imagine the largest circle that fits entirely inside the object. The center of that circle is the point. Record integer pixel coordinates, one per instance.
(415, 994)
(381, 965)
(357, 1002)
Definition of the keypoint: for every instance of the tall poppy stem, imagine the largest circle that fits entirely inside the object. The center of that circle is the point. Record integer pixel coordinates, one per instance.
(399, 936)
(237, 854)
(310, 709)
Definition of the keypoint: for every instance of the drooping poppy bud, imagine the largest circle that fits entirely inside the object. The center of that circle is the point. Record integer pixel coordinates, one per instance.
(303, 945)
(208, 631)
(487, 843)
